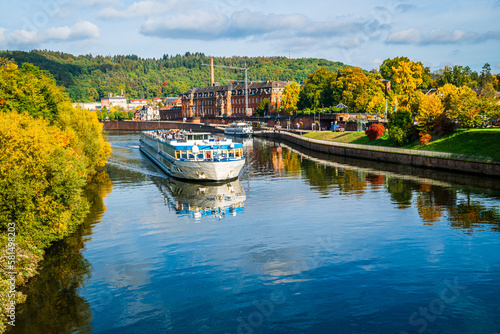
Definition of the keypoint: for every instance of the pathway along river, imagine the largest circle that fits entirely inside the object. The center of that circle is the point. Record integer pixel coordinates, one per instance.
(306, 244)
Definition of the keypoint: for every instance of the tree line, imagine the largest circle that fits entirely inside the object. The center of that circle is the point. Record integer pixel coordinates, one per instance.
(48, 153)
(87, 78)
(418, 101)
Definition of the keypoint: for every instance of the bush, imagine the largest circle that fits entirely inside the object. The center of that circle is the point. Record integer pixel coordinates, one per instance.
(375, 131)
(425, 138)
(401, 129)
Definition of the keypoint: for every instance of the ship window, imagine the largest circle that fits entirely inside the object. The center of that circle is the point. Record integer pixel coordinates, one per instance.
(177, 154)
(200, 156)
(183, 155)
(231, 153)
(191, 155)
(208, 155)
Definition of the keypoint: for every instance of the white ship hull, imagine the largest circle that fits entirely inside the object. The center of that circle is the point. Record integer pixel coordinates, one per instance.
(194, 170)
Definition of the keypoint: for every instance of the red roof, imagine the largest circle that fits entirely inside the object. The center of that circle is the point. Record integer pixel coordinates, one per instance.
(139, 100)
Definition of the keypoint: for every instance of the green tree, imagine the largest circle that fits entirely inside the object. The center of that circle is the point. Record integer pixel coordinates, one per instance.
(31, 90)
(317, 90)
(350, 88)
(263, 107)
(486, 76)
(401, 127)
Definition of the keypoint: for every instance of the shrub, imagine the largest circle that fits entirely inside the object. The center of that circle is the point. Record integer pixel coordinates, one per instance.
(401, 127)
(375, 131)
(425, 138)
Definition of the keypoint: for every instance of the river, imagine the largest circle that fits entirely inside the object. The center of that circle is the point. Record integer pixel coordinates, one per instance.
(300, 243)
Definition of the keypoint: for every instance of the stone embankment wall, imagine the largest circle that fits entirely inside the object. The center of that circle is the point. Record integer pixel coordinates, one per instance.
(437, 160)
(155, 125)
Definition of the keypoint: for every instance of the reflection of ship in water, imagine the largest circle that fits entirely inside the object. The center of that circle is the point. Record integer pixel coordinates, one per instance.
(196, 199)
(246, 141)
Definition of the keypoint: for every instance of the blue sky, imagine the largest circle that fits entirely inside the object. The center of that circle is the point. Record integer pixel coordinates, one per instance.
(358, 32)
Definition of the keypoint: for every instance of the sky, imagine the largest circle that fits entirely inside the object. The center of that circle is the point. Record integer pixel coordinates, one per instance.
(357, 32)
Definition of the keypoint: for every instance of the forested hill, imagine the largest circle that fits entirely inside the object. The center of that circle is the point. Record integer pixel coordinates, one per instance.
(88, 78)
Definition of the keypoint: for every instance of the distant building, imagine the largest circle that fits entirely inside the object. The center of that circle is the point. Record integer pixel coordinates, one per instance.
(87, 105)
(172, 108)
(150, 113)
(157, 99)
(135, 103)
(114, 101)
(229, 100)
(173, 102)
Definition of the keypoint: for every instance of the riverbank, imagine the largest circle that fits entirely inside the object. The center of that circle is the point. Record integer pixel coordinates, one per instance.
(476, 142)
(417, 158)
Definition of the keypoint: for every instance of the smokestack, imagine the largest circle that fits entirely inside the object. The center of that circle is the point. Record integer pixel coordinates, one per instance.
(211, 72)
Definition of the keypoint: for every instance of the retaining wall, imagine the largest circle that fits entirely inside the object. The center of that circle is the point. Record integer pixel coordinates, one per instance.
(426, 159)
(155, 125)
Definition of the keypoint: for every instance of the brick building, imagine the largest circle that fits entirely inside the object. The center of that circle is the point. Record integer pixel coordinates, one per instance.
(229, 100)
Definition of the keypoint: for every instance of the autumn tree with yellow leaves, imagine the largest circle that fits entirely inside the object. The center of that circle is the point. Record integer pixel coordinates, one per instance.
(48, 152)
(290, 98)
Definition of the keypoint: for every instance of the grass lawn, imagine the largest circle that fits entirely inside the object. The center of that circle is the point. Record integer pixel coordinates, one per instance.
(484, 142)
(349, 137)
(344, 137)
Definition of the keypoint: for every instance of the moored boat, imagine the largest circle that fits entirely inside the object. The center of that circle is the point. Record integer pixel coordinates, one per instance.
(193, 156)
(238, 129)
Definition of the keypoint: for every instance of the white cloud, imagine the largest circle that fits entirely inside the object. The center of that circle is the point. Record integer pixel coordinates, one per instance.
(82, 30)
(456, 36)
(439, 36)
(408, 36)
(139, 9)
(245, 23)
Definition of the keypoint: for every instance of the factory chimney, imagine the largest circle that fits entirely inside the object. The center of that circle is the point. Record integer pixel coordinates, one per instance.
(211, 72)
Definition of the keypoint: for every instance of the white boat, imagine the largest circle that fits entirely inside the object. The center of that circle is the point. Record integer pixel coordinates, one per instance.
(239, 129)
(193, 156)
(200, 199)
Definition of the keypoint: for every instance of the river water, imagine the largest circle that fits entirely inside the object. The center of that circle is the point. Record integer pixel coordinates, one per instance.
(301, 243)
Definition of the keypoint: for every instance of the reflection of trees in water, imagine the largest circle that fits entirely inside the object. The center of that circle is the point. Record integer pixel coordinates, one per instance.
(469, 215)
(433, 202)
(376, 180)
(53, 304)
(325, 178)
(428, 210)
(401, 192)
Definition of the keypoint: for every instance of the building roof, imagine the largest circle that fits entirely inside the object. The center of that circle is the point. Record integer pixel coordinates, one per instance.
(114, 97)
(241, 86)
(169, 100)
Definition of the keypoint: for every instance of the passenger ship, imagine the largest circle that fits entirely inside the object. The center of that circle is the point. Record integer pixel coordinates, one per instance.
(193, 156)
(238, 129)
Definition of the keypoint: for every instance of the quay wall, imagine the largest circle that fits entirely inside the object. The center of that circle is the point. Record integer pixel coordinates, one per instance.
(155, 125)
(425, 159)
